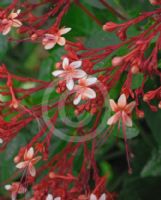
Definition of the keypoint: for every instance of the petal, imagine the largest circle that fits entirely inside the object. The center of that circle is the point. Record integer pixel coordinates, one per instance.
(91, 81)
(122, 101)
(16, 23)
(70, 84)
(36, 159)
(22, 165)
(103, 197)
(126, 119)
(29, 154)
(77, 100)
(49, 197)
(113, 105)
(49, 45)
(1, 141)
(76, 64)
(32, 170)
(61, 41)
(78, 73)
(8, 187)
(57, 72)
(65, 63)
(57, 198)
(13, 196)
(93, 197)
(13, 15)
(6, 30)
(89, 93)
(21, 189)
(63, 31)
(112, 120)
(130, 107)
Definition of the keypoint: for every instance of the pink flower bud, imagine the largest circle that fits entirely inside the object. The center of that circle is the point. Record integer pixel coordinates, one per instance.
(159, 105)
(155, 2)
(110, 26)
(117, 61)
(135, 69)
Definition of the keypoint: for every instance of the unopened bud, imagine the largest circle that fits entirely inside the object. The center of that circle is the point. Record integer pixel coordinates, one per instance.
(110, 26)
(135, 69)
(159, 105)
(16, 159)
(155, 2)
(117, 61)
(51, 175)
(140, 114)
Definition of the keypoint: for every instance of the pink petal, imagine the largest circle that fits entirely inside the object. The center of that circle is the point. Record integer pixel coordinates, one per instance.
(76, 64)
(89, 93)
(126, 119)
(91, 81)
(61, 41)
(32, 170)
(29, 154)
(13, 15)
(21, 189)
(113, 105)
(70, 84)
(112, 120)
(36, 159)
(93, 197)
(22, 165)
(78, 73)
(6, 30)
(63, 31)
(77, 100)
(122, 101)
(49, 45)
(103, 197)
(130, 107)
(57, 72)
(16, 23)
(65, 63)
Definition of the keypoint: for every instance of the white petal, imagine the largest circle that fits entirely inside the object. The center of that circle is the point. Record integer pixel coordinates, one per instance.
(30, 153)
(78, 73)
(93, 197)
(63, 31)
(91, 81)
(89, 93)
(61, 41)
(65, 63)
(57, 198)
(76, 64)
(70, 84)
(8, 187)
(1, 140)
(122, 100)
(57, 72)
(22, 165)
(49, 197)
(16, 23)
(130, 106)
(6, 30)
(127, 119)
(32, 170)
(103, 197)
(49, 45)
(77, 100)
(115, 118)
(13, 196)
(113, 105)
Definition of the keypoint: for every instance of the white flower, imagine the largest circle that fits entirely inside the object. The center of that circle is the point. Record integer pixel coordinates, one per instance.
(83, 91)
(50, 40)
(50, 197)
(102, 197)
(70, 72)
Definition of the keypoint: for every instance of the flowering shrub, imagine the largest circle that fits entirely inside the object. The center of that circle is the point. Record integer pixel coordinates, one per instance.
(64, 65)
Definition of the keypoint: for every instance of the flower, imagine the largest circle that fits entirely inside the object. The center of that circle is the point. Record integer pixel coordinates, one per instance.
(122, 111)
(29, 162)
(50, 40)
(50, 197)
(10, 22)
(15, 188)
(83, 91)
(93, 197)
(1, 141)
(70, 72)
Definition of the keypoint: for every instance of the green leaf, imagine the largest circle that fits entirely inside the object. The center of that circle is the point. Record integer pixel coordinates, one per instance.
(153, 166)
(137, 81)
